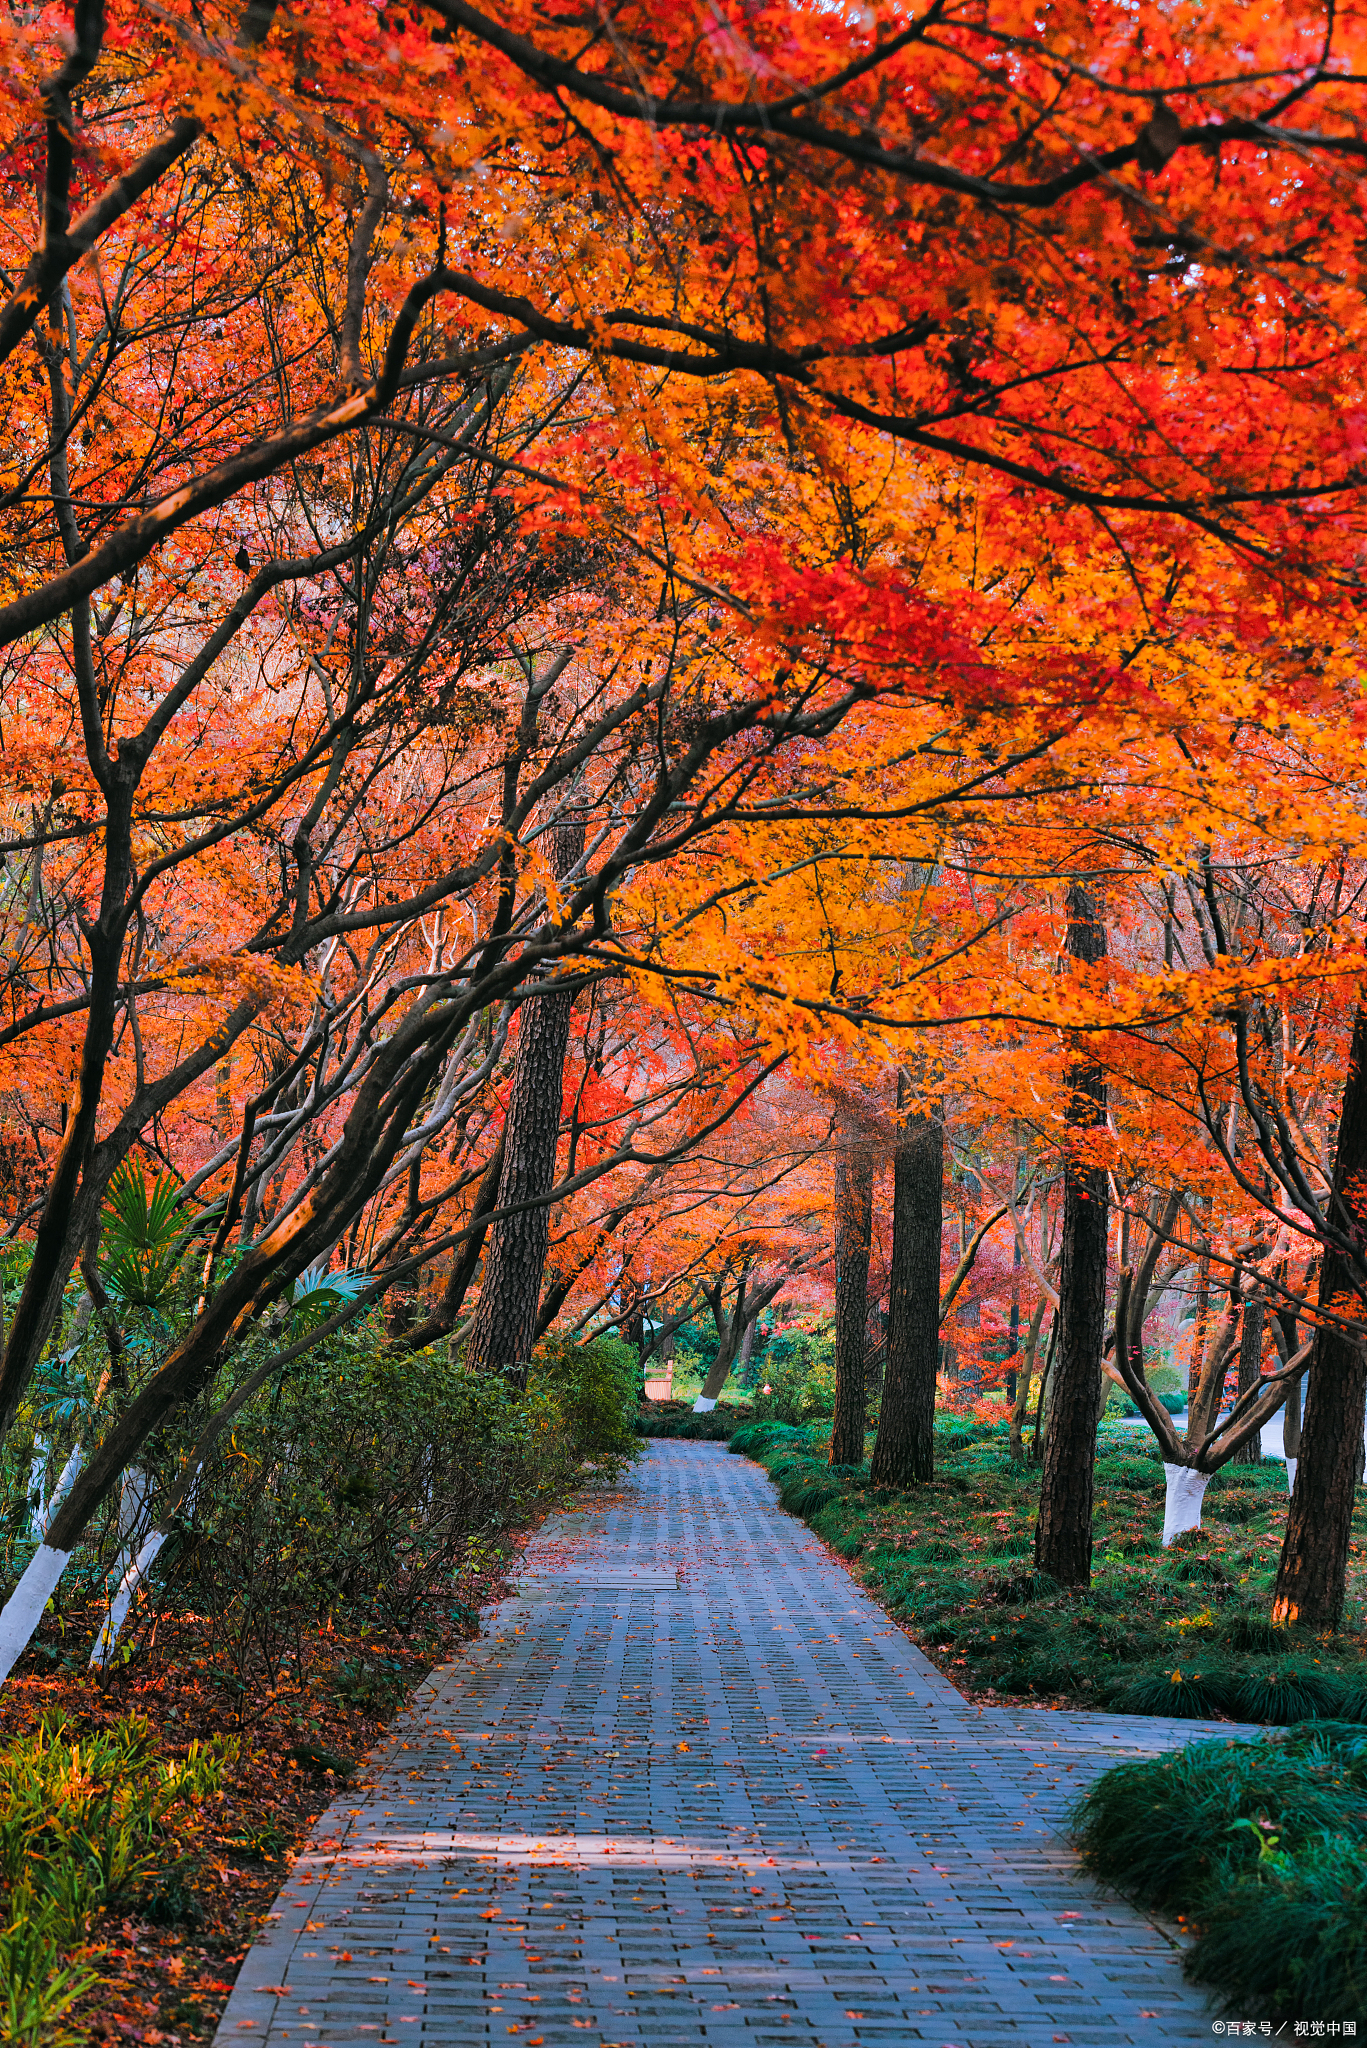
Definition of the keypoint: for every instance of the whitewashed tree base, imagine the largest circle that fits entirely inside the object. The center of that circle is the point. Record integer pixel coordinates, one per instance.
(1290, 1477)
(1186, 1489)
(24, 1609)
(124, 1596)
(702, 1406)
(66, 1480)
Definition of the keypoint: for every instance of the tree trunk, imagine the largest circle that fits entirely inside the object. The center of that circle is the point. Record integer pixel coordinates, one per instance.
(904, 1448)
(465, 1262)
(504, 1327)
(732, 1332)
(1250, 1372)
(1020, 1401)
(1201, 1320)
(853, 1234)
(1063, 1533)
(1314, 1561)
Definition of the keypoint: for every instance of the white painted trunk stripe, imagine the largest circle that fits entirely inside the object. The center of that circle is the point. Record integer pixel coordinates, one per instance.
(35, 1488)
(1290, 1477)
(702, 1406)
(23, 1610)
(124, 1595)
(1186, 1489)
(64, 1484)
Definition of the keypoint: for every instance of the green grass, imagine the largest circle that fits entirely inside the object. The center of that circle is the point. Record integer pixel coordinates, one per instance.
(1261, 1847)
(84, 1821)
(1183, 1632)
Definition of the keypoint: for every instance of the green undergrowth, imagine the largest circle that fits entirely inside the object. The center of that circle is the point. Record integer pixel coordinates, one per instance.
(1183, 1632)
(676, 1419)
(85, 1821)
(1261, 1848)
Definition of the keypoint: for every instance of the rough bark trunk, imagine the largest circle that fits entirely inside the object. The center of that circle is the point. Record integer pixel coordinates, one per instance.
(1250, 1372)
(1314, 1561)
(853, 1232)
(1063, 1533)
(904, 1448)
(503, 1330)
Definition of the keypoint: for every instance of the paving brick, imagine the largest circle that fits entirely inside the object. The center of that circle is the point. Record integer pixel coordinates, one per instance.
(693, 1787)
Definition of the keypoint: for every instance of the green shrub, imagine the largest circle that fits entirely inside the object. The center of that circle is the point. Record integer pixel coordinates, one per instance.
(596, 1388)
(360, 1490)
(717, 1426)
(800, 1379)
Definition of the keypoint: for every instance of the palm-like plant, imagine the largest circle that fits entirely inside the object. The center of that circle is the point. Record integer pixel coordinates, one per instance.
(145, 1235)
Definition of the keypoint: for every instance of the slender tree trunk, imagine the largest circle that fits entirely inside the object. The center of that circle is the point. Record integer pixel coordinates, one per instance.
(853, 1234)
(1201, 1322)
(1314, 1561)
(504, 1327)
(1040, 1435)
(1063, 1533)
(904, 1448)
(1020, 1401)
(1251, 1371)
(732, 1332)
(465, 1262)
(1013, 1340)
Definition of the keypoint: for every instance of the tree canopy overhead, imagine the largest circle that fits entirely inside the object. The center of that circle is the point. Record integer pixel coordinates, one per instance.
(586, 603)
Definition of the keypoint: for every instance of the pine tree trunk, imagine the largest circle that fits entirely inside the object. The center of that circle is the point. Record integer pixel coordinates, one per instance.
(904, 1448)
(1063, 1533)
(1250, 1372)
(504, 1327)
(853, 1234)
(1314, 1561)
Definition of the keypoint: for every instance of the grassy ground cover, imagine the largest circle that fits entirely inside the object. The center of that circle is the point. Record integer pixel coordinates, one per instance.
(1261, 1849)
(1182, 1632)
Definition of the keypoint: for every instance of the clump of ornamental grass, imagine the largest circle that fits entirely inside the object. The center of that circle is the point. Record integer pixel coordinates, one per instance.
(1198, 1691)
(1286, 1692)
(1261, 1847)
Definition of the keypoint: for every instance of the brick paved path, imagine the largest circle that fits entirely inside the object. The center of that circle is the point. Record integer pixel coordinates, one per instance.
(695, 1788)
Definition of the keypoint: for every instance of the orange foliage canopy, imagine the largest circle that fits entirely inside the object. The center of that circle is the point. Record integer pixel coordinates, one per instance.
(861, 466)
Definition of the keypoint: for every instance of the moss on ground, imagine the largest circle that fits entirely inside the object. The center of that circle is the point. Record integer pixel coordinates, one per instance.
(1182, 1632)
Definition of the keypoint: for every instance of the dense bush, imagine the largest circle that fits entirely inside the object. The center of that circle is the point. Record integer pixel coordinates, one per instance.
(1262, 1847)
(596, 1388)
(799, 1371)
(361, 1489)
(676, 1419)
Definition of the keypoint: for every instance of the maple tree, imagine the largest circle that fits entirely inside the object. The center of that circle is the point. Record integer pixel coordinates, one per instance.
(743, 511)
